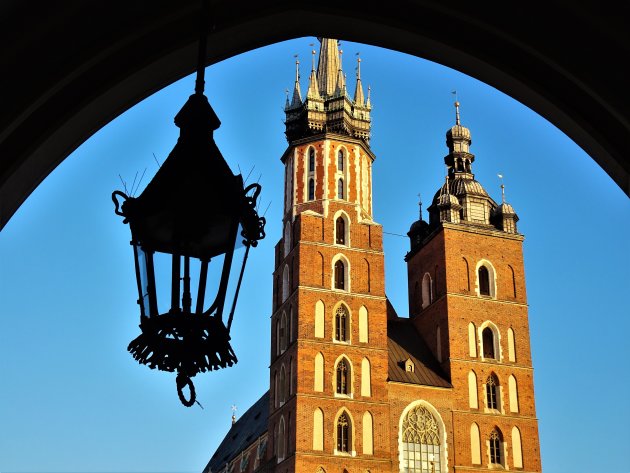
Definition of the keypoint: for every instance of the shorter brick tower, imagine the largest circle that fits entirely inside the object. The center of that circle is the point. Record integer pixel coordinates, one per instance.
(354, 388)
(467, 300)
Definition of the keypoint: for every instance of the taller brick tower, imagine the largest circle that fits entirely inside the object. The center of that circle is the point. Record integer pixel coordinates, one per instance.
(329, 323)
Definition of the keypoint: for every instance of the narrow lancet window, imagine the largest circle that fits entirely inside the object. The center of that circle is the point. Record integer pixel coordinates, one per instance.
(340, 276)
(340, 189)
(484, 281)
(311, 189)
(340, 230)
(341, 324)
(340, 161)
(343, 433)
(342, 377)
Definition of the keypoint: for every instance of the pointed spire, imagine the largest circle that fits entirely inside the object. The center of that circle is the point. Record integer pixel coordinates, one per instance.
(420, 204)
(368, 102)
(287, 104)
(297, 95)
(313, 89)
(341, 77)
(328, 66)
(358, 91)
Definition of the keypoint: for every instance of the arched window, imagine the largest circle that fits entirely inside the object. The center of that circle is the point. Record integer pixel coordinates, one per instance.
(283, 386)
(484, 281)
(319, 319)
(366, 382)
(496, 458)
(340, 193)
(340, 231)
(340, 161)
(472, 340)
(340, 275)
(492, 388)
(363, 325)
(285, 283)
(427, 290)
(475, 445)
(472, 390)
(311, 160)
(311, 189)
(343, 433)
(318, 429)
(368, 434)
(517, 449)
(421, 449)
(343, 377)
(342, 334)
(511, 345)
(487, 338)
(281, 440)
(513, 393)
(287, 238)
(318, 381)
(282, 333)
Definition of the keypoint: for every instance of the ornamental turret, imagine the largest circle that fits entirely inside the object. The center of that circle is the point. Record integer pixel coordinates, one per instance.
(328, 107)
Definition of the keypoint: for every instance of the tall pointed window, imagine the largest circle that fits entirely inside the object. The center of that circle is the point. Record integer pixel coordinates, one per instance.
(343, 373)
(311, 160)
(340, 231)
(340, 193)
(342, 324)
(311, 189)
(495, 448)
(340, 276)
(420, 445)
(487, 338)
(343, 433)
(492, 387)
(340, 161)
(484, 281)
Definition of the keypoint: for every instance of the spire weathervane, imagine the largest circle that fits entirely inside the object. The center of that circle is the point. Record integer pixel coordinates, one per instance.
(502, 188)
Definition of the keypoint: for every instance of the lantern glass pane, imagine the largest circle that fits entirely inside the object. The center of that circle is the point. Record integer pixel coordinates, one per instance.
(143, 280)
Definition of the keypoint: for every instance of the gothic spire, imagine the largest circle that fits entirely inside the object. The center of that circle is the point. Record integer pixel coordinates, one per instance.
(313, 89)
(328, 66)
(368, 102)
(358, 91)
(297, 95)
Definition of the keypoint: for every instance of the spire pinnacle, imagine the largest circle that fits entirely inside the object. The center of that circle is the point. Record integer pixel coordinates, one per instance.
(457, 113)
(313, 53)
(420, 204)
(297, 94)
(368, 102)
(358, 91)
(328, 66)
(286, 103)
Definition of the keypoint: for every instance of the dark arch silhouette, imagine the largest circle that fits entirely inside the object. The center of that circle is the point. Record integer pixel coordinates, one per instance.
(55, 101)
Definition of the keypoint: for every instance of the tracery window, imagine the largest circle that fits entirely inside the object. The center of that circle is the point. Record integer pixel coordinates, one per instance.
(311, 189)
(341, 324)
(421, 447)
(343, 433)
(340, 276)
(311, 160)
(487, 338)
(343, 371)
(484, 281)
(495, 447)
(340, 231)
(492, 384)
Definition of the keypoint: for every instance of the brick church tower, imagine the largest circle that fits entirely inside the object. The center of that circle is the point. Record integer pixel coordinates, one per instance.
(353, 387)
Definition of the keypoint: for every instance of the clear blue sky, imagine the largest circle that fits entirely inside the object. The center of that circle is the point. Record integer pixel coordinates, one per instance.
(73, 400)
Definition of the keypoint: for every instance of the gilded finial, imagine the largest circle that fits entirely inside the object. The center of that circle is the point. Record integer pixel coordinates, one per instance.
(456, 108)
(502, 188)
(233, 414)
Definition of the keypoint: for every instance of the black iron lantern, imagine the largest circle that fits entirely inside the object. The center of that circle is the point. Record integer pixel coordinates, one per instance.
(191, 210)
